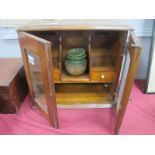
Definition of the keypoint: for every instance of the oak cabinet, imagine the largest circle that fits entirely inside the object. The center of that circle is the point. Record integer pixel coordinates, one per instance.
(113, 54)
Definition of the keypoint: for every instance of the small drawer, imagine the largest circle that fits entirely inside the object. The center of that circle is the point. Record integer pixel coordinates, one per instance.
(98, 76)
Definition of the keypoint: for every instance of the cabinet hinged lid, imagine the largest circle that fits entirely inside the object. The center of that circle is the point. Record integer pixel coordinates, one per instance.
(43, 25)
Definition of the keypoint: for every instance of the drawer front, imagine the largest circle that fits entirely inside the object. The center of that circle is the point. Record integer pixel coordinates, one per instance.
(98, 76)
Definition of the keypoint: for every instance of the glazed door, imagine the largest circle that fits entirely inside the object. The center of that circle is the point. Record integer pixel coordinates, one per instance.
(129, 69)
(37, 59)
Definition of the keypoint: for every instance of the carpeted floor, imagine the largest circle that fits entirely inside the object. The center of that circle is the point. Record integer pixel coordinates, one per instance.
(139, 118)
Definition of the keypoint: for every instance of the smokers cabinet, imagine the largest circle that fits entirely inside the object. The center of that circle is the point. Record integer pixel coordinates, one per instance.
(112, 53)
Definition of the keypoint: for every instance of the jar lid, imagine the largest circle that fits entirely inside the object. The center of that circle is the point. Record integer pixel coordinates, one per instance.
(76, 52)
(75, 58)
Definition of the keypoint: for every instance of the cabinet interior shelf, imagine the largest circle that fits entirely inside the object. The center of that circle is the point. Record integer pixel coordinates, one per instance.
(82, 93)
(66, 78)
(101, 48)
(67, 94)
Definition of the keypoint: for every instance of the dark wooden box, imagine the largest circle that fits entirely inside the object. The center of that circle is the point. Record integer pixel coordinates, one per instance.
(13, 85)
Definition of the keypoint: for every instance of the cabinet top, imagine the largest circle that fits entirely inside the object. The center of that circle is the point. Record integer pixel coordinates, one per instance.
(43, 25)
(9, 69)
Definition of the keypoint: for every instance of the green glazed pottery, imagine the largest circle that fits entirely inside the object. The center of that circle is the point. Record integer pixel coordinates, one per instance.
(75, 61)
(76, 54)
(75, 58)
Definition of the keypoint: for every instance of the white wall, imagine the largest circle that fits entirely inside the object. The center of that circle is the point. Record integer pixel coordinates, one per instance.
(143, 29)
(9, 46)
(151, 77)
(151, 80)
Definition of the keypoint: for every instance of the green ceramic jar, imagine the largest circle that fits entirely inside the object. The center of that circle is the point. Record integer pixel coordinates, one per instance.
(75, 61)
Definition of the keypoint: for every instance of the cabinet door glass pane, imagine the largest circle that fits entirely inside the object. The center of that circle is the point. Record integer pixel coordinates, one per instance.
(123, 78)
(36, 77)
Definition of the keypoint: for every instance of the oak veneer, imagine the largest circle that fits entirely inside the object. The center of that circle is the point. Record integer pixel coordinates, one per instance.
(43, 48)
(82, 94)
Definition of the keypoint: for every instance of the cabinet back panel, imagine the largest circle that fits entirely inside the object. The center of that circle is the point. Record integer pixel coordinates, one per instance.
(103, 48)
(52, 36)
(104, 39)
(73, 39)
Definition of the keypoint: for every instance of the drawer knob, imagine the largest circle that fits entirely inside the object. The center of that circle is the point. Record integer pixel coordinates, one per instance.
(102, 76)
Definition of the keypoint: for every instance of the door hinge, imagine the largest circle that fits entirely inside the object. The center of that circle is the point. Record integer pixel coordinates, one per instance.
(124, 50)
(115, 98)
